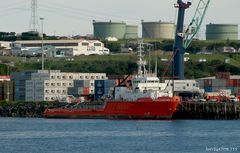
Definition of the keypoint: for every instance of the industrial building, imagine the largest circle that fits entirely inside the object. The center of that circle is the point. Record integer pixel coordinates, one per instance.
(5, 44)
(54, 85)
(59, 48)
(221, 31)
(158, 30)
(120, 30)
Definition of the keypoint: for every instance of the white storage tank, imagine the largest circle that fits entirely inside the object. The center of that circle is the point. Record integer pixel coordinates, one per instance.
(131, 32)
(222, 32)
(158, 30)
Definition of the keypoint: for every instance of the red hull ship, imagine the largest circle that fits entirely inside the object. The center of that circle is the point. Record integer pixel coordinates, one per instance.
(143, 108)
(146, 99)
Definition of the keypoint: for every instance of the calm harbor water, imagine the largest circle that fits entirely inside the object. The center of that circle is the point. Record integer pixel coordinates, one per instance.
(24, 135)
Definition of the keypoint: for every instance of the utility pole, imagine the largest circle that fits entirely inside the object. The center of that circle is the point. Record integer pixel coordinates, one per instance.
(8, 73)
(42, 44)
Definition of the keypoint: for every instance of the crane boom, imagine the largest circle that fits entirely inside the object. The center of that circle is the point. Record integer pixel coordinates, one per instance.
(196, 22)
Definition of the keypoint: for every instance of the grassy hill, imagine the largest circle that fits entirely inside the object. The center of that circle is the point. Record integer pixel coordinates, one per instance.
(126, 64)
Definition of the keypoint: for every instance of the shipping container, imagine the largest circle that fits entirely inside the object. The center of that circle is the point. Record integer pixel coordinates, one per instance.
(20, 82)
(208, 89)
(207, 82)
(80, 90)
(238, 92)
(29, 97)
(86, 91)
(230, 83)
(235, 82)
(45, 78)
(106, 83)
(201, 83)
(1, 97)
(10, 97)
(231, 88)
(72, 91)
(29, 83)
(25, 75)
(39, 90)
(223, 75)
(99, 83)
(78, 83)
(107, 91)
(99, 91)
(109, 83)
(7, 88)
(98, 97)
(86, 83)
(238, 82)
(219, 83)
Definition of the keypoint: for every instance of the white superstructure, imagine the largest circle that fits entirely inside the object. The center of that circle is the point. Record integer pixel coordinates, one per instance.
(143, 84)
(61, 48)
(53, 85)
(149, 85)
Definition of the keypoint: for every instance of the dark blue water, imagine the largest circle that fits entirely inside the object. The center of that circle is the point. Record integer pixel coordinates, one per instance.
(19, 135)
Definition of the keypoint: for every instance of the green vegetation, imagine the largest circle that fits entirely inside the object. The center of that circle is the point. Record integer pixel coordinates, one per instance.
(196, 45)
(11, 36)
(3, 69)
(113, 46)
(114, 64)
(126, 64)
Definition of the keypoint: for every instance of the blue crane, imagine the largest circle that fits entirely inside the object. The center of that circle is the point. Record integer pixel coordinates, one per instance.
(184, 38)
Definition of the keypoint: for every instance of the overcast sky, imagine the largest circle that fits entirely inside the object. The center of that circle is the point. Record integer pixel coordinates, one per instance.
(67, 17)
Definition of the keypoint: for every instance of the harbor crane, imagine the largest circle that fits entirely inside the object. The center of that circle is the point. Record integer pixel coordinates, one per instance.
(183, 38)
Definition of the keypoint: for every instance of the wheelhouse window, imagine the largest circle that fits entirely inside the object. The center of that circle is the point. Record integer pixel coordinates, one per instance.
(85, 44)
(97, 44)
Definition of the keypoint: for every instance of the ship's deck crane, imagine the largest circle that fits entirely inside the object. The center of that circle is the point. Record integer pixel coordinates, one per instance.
(184, 38)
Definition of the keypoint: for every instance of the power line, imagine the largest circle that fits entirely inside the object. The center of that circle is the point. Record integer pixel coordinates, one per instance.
(88, 13)
(10, 5)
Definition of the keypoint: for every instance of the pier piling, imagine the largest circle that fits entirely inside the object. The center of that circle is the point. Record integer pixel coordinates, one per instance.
(208, 110)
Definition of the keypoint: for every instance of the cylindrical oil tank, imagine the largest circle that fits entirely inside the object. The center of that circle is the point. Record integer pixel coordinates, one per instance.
(131, 32)
(222, 32)
(158, 30)
(103, 30)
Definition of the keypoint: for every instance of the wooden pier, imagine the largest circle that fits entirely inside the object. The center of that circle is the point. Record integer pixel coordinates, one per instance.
(208, 110)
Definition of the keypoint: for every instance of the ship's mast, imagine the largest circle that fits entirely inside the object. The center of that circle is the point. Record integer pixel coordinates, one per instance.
(141, 63)
(156, 66)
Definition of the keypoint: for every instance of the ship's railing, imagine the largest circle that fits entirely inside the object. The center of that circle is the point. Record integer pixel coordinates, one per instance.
(84, 105)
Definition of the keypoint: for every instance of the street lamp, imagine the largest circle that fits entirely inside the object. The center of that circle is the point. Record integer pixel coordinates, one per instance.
(42, 44)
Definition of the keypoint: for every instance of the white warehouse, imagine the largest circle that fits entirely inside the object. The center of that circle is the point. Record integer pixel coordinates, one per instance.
(61, 48)
(52, 85)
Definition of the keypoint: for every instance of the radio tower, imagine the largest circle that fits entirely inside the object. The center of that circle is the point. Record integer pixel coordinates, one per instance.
(34, 16)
